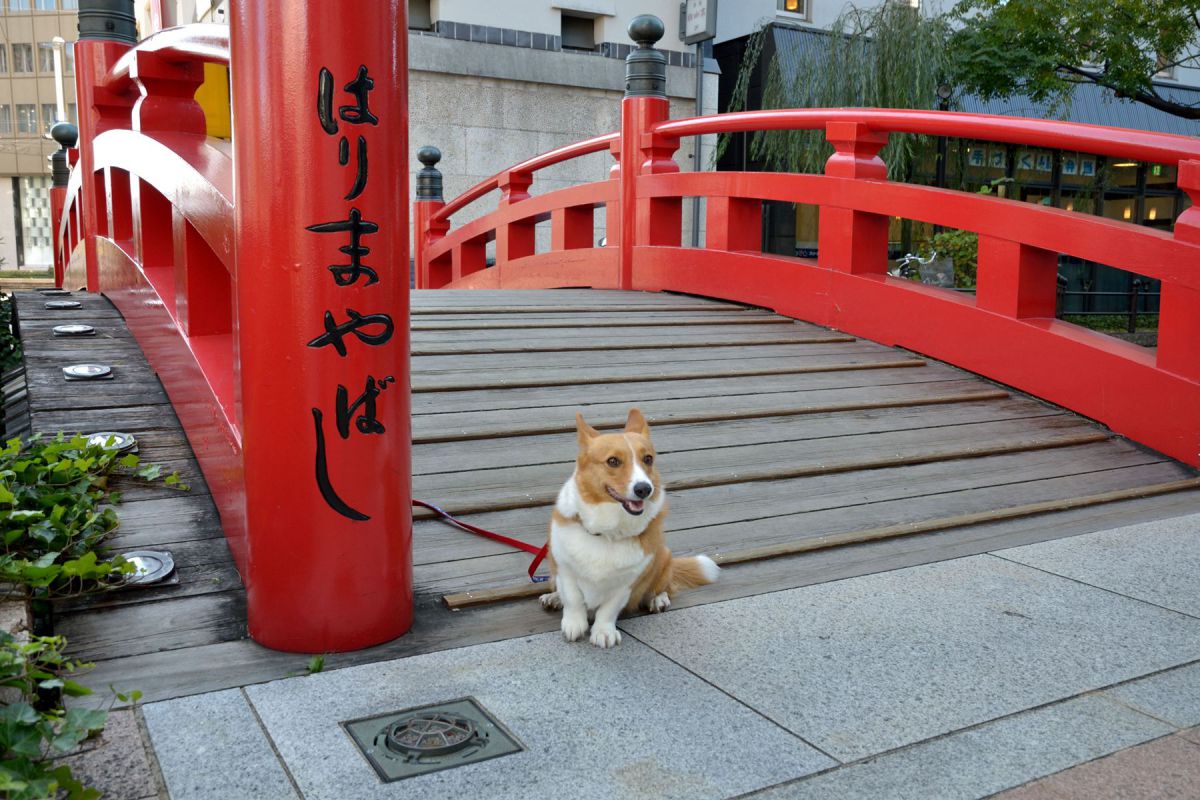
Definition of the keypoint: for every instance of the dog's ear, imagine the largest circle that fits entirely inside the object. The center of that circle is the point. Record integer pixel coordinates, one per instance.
(585, 432)
(636, 423)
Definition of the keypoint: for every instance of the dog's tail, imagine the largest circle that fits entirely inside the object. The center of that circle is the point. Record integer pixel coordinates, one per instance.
(688, 573)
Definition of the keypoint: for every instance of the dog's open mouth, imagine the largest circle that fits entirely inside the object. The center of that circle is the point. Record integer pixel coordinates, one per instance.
(634, 507)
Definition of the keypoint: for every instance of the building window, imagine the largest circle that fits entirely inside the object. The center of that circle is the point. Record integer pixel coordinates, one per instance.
(1165, 66)
(46, 58)
(3, 58)
(18, 5)
(27, 121)
(49, 115)
(419, 16)
(6, 120)
(71, 117)
(36, 234)
(22, 58)
(69, 58)
(43, 5)
(578, 33)
(70, 5)
(796, 8)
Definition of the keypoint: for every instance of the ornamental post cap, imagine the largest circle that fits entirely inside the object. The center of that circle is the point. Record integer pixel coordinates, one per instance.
(429, 156)
(646, 29)
(66, 134)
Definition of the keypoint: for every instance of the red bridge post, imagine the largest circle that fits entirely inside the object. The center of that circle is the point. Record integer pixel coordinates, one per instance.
(107, 29)
(1179, 320)
(67, 135)
(320, 120)
(426, 231)
(646, 221)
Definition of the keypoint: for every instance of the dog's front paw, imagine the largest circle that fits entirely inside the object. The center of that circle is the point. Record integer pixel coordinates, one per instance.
(551, 601)
(659, 602)
(605, 636)
(574, 626)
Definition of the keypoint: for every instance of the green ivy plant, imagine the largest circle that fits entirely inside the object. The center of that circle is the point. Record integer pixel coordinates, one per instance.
(56, 509)
(33, 731)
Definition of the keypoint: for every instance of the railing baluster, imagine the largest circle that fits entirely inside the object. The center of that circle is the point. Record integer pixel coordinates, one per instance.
(1015, 279)
(849, 240)
(733, 223)
(516, 239)
(571, 228)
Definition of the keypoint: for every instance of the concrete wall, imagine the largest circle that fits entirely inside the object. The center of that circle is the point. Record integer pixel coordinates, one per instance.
(540, 16)
(487, 107)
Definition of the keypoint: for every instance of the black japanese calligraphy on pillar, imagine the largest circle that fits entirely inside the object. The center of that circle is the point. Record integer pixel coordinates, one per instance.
(370, 329)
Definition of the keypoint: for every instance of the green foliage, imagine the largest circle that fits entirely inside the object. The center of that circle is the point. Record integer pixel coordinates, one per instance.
(32, 731)
(1039, 48)
(889, 56)
(315, 664)
(55, 511)
(1113, 323)
(961, 247)
(10, 345)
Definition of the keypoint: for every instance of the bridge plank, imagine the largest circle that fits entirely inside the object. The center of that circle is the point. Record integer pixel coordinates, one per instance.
(850, 494)
(559, 448)
(511, 422)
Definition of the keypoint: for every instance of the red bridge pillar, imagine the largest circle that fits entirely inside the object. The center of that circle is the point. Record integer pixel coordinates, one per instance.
(320, 121)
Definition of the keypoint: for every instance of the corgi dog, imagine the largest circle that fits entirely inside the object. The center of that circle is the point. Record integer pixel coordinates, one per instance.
(608, 553)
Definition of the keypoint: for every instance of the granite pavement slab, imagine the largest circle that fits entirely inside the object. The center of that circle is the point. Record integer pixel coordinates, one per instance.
(1166, 769)
(211, 746)
(1158, 562)
(620, 723)
(861, 666)
(986, 759)
(1173, 695)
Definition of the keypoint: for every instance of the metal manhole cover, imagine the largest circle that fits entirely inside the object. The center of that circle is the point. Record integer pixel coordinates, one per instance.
(416, 741)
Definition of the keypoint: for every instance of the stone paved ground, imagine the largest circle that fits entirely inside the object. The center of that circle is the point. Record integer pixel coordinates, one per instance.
(1077, 659)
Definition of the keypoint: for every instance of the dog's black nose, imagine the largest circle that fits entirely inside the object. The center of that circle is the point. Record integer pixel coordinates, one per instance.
(643, 490)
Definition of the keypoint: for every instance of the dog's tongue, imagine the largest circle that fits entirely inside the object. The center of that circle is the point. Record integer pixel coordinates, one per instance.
(634, 506)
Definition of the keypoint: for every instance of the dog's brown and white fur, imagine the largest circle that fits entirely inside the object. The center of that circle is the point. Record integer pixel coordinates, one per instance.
(608, 553)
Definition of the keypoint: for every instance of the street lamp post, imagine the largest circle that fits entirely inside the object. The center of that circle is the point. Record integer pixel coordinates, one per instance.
(60, 111)
(943, 94)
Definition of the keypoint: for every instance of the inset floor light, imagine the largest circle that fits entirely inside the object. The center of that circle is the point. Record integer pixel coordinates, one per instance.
(54, 292)
(113, 440)
(87, 372)
(74, 330)
(63, 305)
(416, 741)
(149, 566)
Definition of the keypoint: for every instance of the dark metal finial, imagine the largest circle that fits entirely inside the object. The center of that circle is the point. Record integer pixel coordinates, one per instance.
(109, 20)
(429, 179)
(646, 30)
(646, 67)
(67, 135)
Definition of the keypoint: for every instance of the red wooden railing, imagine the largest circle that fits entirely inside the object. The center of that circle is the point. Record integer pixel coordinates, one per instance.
(1006, 332)
(240, 305)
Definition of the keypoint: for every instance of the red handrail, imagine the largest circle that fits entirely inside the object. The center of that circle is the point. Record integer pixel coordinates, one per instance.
(549, 159)
(205, 42)
(1163, 148)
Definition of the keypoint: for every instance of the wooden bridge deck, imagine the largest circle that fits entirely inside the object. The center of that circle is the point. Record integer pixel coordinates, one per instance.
(773, 436)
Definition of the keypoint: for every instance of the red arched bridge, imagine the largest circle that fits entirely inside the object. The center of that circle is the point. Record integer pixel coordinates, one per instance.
(800, 403)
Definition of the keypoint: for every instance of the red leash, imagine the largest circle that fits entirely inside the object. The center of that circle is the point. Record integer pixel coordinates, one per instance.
(539, 553)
